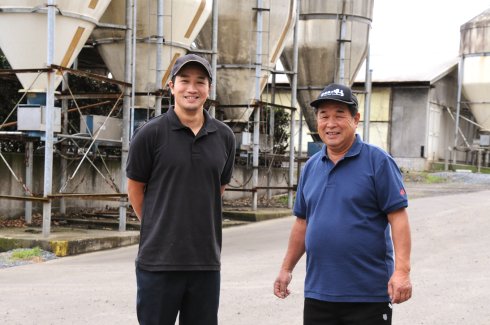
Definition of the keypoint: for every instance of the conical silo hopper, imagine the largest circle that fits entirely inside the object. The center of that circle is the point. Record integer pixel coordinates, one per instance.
(237, 35)
(475, 50)
(320, 39)
(183, 19)
(23, 35)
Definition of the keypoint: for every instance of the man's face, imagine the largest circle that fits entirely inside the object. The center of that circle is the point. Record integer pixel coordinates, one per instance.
(191, 88)
(336, 125)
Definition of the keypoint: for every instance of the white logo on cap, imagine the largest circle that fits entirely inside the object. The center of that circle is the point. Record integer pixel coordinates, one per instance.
(336, 92)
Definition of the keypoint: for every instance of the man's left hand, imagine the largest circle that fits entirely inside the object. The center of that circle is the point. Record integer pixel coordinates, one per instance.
(399, 287)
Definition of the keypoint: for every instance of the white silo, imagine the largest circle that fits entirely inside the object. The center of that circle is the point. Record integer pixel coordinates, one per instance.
(23, 36)
(475, 54)
(35, 34)
(237, 35)
(182, 21)
(332, 45)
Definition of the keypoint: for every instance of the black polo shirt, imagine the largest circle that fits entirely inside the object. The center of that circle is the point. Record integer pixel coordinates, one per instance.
(183, 173)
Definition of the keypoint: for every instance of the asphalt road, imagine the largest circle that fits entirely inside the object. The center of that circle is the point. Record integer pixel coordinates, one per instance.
(450, 274)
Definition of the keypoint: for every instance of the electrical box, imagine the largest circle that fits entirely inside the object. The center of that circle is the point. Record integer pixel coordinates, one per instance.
(244, 141)
(110, 130)
(31, 118)
(485, 140)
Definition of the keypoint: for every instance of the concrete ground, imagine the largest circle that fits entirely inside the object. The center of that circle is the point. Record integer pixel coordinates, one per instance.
(450, 263)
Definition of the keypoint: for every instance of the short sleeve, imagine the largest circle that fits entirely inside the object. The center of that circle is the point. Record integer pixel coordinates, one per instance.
(299, 208)
(390, 190)
(228, 170)
(140, 155)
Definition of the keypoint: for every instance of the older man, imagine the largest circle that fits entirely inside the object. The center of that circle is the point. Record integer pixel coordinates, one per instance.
(349, 195)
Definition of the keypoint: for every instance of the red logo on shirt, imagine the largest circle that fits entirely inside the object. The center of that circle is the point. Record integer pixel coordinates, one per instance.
(402, 192)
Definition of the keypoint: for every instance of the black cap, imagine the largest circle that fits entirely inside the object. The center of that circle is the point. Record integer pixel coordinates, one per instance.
(338, 93)
(191, 58)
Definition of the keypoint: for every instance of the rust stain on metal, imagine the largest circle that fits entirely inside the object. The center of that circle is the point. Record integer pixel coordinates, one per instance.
(93, 4)
(198, 14)
(169, 69)
(71, 48)
(284, 32)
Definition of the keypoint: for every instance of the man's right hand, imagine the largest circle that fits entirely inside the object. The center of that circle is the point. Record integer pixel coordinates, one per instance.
(281, 284)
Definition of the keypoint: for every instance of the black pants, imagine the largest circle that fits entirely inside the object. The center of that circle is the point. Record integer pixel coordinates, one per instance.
(194, 295)
(317, 312)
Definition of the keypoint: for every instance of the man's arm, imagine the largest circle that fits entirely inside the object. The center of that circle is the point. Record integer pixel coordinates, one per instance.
(399, 286)
(136, 193)
(296, 249)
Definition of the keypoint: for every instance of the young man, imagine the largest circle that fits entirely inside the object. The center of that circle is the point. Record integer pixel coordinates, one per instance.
(349, 195)
(178, 166)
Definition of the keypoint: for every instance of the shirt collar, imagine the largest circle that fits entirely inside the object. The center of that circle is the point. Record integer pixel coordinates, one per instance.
(175, 123)
(353, 151)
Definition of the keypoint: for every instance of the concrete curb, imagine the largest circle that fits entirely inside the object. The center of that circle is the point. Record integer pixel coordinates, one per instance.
(259, 215)
(65, 241)
(70, 243)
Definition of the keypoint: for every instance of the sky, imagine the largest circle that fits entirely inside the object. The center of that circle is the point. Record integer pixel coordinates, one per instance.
(408, 36)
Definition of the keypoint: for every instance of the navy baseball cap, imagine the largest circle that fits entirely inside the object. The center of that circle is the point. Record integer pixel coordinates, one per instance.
(191, 58)
(337, 93)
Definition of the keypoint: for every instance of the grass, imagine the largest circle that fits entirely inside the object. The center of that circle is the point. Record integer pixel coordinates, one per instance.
(423, 177)
(433, 179)
(283, 199)
(439, 166)
(26, 254)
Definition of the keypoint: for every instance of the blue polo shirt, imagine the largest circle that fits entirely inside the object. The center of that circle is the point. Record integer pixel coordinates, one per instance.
(348, 243)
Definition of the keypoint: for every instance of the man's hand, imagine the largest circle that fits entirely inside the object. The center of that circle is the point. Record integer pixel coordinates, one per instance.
(281, 284)
(399, 287)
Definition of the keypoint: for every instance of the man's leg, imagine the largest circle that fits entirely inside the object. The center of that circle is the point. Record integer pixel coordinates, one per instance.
(159, 296)
(317, 312)
(201, 300)
(377, 313)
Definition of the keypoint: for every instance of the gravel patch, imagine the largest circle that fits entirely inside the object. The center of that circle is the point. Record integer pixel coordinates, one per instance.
(462, 177)
(6, 259)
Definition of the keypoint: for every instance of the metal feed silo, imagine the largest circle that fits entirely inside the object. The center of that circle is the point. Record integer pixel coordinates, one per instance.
(333, 38)
(475, 54)
(182, 21)
(237, 35)
(23, 36)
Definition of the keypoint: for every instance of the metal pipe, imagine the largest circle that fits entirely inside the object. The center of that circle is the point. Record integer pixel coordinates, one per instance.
(48, 150)
(300, 133)
(256, 134)
(367, 99)
(15, 133)
(29, 171)
(459, 130)
(343, 29)
(64, 130)
(294, 86)
(458, 106)
(271, 132)
(479, 160)
(126, 112)
(159, 50)
(272, 118)
(79, 137)
(214, 56)
(133, 61)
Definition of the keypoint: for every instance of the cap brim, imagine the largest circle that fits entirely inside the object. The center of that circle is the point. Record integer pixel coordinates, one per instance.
(317, 102)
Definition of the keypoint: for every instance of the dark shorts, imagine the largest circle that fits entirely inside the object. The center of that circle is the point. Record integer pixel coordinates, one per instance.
(317, 312)
(193, 295)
